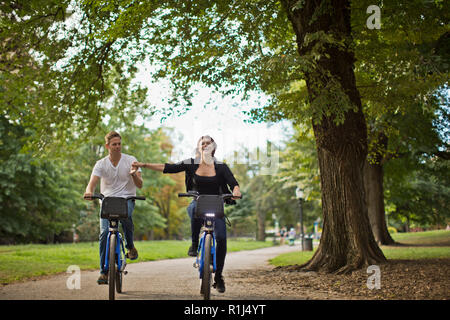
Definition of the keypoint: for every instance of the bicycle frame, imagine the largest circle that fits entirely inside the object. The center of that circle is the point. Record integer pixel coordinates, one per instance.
(121, 260)
(208, 212)
(114, 212)
(208, 227)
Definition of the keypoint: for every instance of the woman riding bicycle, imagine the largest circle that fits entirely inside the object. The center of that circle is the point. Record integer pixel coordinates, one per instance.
(207, 176)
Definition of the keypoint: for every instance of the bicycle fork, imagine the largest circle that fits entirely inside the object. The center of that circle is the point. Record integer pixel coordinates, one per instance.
(200, 259)
(121, 261)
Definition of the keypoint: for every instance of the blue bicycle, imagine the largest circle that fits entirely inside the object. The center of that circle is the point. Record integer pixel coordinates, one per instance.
(114, 209)
(209, 207)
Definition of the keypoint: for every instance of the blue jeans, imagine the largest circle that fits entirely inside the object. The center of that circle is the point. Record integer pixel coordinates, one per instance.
(220, 232)
(128, 230)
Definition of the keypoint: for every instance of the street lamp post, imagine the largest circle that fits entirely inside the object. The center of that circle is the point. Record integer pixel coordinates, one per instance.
(300, 195)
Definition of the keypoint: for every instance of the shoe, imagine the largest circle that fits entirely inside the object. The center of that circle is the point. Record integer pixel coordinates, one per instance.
(103, 279)
(192, 252)
(132, 254)
(219, 284)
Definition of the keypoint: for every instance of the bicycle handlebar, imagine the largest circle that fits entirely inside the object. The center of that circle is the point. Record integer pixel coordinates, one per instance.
(101, 197)
(95, 196)
(195, 194)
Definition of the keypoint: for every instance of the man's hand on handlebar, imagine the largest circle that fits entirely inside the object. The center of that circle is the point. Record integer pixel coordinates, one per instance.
(87, 196)
(92, 196)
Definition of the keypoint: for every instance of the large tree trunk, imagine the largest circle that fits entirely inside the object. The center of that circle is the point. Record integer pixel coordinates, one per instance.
(164, 209)
(347, 241)
(261, 221)
(373, 183)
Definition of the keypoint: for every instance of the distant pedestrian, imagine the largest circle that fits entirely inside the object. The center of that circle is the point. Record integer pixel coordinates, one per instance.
(291, 236)
(283, 234)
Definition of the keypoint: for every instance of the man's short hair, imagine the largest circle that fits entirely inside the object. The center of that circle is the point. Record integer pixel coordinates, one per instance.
(110, 135)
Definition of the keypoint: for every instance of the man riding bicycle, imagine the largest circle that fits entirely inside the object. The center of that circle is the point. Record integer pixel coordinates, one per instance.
(118, 179)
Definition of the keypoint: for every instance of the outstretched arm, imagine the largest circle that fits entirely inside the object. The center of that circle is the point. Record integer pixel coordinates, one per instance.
(152, 166)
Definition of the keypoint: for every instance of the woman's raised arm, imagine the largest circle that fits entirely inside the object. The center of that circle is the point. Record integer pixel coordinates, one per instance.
(152, 166)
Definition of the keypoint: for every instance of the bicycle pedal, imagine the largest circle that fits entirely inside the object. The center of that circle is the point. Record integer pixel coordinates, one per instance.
(125, 272)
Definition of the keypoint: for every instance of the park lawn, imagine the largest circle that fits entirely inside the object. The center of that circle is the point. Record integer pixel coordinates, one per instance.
(21, 262)
(417, 245)
(432, 238)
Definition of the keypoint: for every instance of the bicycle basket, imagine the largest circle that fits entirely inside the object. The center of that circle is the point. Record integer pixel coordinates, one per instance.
(209, 204)
(114, 208)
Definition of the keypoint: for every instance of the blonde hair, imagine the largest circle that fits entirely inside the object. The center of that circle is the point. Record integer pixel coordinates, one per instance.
(110, 135)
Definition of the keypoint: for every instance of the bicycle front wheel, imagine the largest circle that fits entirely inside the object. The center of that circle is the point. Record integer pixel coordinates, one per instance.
(112, 266)
(206, 277)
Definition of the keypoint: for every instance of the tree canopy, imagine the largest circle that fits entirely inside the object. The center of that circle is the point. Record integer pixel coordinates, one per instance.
(74, 57)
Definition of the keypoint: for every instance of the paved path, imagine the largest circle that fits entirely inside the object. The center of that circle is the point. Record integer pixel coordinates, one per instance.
(155, 280)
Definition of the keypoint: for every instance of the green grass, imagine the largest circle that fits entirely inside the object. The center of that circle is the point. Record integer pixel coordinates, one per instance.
(292, 258)
(21, 262)
(432, 238)
(417, 245)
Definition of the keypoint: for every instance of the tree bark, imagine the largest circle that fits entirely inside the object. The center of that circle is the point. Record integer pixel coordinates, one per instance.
(164, 209)
(347, 241)
(373, 183)
(261, 220)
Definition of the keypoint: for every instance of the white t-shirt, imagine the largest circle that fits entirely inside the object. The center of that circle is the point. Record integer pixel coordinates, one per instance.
(115, 181)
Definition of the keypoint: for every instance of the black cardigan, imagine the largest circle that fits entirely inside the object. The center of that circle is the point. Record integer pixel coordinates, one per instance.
(189, 166)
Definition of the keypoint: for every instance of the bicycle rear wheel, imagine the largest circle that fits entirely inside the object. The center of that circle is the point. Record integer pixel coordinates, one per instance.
(206, 277)
(119, 277)
(112, 266)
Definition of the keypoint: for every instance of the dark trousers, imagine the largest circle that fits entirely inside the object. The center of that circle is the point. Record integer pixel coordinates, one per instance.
(220, 233)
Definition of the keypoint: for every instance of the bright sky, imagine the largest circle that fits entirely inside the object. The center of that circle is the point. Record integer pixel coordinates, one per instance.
(213, 115)
(217, 116)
